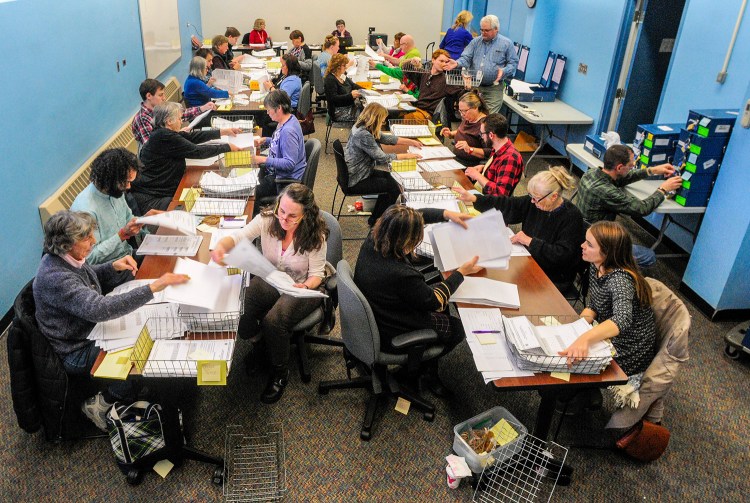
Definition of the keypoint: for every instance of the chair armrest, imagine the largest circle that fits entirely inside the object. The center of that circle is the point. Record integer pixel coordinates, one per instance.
(286, 181)
(414, 338)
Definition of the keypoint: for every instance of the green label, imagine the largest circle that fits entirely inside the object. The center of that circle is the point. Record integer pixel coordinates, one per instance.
(648, 143)
(644, 159)
(686, 184)
(690, 167)
(680, 200)
(695, 149)
(702, 131)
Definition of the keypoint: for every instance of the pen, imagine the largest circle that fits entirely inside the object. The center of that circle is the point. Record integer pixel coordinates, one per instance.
(485, 331)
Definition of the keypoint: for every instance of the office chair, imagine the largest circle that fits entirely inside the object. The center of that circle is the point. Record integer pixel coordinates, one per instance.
(312, 155)
(441, 117)
(246, 38)
(305, 331)
(362, 349)
(331, 123)
(316, 77)
(305, 99)
(342, 182)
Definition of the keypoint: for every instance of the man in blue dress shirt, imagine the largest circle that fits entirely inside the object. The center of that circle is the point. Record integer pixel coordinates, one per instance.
(494, 56)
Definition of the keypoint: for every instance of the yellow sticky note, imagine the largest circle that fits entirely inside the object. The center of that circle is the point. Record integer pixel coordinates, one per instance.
(402, 406)
(212, 373)
(486, 338)
(190, 193)
(163, 467)
(115, 365)
(503, 432)
(564, 376)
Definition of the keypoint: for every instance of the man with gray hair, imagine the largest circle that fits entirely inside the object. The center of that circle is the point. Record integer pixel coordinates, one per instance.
(494, 56)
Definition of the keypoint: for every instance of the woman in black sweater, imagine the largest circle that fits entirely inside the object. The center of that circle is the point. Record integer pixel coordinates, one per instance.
(552, 227)
(163, 156)
(341, 92)
(400, 299)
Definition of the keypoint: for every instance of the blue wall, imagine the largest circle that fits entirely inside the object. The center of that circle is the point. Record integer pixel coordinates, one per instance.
(63, 99)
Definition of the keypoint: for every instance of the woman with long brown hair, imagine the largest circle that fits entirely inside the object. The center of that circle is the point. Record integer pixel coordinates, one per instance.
(619, 299)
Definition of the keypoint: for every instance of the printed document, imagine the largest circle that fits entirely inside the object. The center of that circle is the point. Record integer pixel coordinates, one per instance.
(174, 246)
(204, 287)
(432, 152)
(484, 238)
(178, 220)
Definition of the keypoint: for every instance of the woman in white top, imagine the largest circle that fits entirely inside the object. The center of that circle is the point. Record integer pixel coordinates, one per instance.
(293, 238)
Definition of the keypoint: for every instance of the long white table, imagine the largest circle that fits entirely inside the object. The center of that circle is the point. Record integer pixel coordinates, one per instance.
(642, 189)
(548, 114)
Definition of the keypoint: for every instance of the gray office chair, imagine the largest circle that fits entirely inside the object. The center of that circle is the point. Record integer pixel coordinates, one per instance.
(362, 349)
(305, 99)
(307, 331)
(312, 155)
(316, 77)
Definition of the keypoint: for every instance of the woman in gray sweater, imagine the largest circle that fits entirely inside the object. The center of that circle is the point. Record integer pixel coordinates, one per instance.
(69, 299)
(363, 153)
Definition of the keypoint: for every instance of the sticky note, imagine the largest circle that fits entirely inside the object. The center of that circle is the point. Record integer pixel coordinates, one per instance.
(504, 432)
(190, 193)
(564, 376)
(163, 467)
(212, 373)
(123, 360)
(486, 338)
(429, 140)
(402, 406)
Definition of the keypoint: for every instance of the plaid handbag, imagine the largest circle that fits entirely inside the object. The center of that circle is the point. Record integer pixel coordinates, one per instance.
(135, 430)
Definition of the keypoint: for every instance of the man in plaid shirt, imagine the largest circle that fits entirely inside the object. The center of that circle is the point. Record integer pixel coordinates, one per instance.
(152, 94)
(500, 175)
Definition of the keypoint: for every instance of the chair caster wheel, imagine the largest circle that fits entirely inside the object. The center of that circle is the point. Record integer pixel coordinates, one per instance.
(365, 435)
(428, 416)
(218, 477)
(133, 477)
(322, 391)
(731, 352)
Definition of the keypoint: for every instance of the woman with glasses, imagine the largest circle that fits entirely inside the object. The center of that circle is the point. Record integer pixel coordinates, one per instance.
(552, 227)
(467, 139)
(293, 238)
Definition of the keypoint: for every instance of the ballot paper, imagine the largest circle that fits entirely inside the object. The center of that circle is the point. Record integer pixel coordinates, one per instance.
(390, 101)
(519, 86)
(410, 130)
(137, 283)
(394, 85)
(208, 161)
(225, 316)
(227, 80)
(432, 152)
(219, 234)
(423, 199)
(440, 165)
(213, 183)
(248, 258)
(484, 238)
(178, 220)
(122, 332)
(173, 246)
(487, 292)
(172, 358)
(204, 287)
(373, 55)
(198, 118)
(517, 250)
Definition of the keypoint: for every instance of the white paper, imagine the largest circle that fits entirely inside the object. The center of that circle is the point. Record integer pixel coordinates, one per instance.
(178, 220)
(519, 86)
(227, 80)
(432, 152)
(373, 55)
(393, 85)
(440, 165)
(517, 250)
(485, 291)
(411, 180)
(204, 286)
(487, 357)
(204, 162)
(219, 234)
(218, 206)
(137, 283)
(410, 130)
(174, 246)
(389, 101)
(243, 141)
(484, 238)
(127, 328)
(198, 119)
(172, 358)
(212, 182)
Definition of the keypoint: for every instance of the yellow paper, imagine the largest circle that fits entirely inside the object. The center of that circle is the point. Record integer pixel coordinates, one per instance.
(187, 192)
(242, 171)
(564, 376)
(384, 79)
(163, 467)
(212, 373)
(116, 365)
(402, 406)
(504, 432)
(486, 338)
(224, 108)
(473, 211)
(478, 187)
(142, 349)
(429, 141)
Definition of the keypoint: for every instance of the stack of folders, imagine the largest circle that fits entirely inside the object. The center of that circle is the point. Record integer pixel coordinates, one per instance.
(487, 292)
(452, 245)
(537, 348)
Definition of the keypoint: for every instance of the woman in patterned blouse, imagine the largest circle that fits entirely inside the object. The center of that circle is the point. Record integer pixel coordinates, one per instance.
(619, 299)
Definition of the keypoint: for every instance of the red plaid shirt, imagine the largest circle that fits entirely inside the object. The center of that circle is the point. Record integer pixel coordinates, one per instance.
(143, 122)
(504, 172)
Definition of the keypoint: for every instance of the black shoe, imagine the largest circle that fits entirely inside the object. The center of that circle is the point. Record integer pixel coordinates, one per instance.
(276, 384)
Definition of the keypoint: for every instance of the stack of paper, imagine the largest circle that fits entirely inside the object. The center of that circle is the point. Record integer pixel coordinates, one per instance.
(122, 332)
(213, 183)
(137, 283)
(204, 287)
(225, 315)
(218, 206)
(173, 246)
(410, 130)
(537, 348)
(487, 292)
(180, 221)
(248, 258)
(517, 250)
(441, 165)
(228, 80)
(432, 152)
(173, 358)
(485, 237)
(373, 55)
(486, 339)
(442, 199)
(389, 101)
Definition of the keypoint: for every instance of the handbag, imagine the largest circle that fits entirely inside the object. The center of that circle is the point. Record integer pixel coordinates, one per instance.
(645, 441)
(135, 431)
(306, 122)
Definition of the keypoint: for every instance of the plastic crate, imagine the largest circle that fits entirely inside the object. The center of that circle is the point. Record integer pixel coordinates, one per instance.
(477, 462)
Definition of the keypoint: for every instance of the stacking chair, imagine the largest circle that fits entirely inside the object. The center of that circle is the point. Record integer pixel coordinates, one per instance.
(362, 349)
(305, 99)
(316, 77)
(306, 331)
(312, 155)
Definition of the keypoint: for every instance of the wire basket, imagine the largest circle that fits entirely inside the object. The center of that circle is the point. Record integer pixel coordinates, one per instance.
(203, 201)
(412, 67)
(254, 465)
(527, 474)
(401, 165)
(242, 121)
(431, 196)
(224, 321)
(463, 76)
(165, 345)
(411, 128)
(546, 363)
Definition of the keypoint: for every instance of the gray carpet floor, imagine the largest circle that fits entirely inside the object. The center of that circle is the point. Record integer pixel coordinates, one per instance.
(707, 413)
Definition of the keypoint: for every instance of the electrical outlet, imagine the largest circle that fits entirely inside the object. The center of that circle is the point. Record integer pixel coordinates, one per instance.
(583, 68)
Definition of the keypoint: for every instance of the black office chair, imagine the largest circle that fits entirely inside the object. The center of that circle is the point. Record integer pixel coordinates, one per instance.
(316, 77)
(308, 331)
(312, 155)
(246, 38)
(362, 349)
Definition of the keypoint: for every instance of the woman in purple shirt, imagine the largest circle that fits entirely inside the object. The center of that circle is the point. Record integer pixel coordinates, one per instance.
(458, 36)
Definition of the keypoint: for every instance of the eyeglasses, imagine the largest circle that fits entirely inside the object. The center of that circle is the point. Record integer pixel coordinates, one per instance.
(287, 219)
(539, 200)
(483, 30)
(463, 111)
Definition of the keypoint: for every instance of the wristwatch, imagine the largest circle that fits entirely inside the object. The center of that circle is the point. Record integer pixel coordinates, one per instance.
(471, 150)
